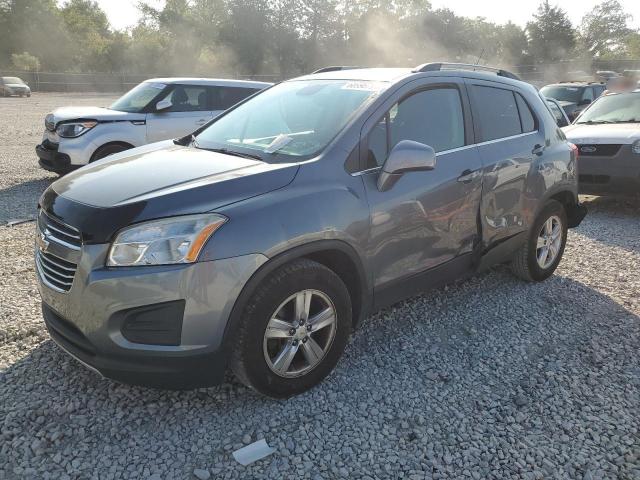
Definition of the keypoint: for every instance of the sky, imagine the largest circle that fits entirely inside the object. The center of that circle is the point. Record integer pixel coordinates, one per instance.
(123, 13)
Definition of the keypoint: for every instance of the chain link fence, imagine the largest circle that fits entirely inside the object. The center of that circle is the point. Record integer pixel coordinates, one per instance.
(538, 74)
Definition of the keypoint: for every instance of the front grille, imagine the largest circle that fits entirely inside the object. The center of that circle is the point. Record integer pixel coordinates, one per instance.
(57, 252)
(59, 232)
(55, 271)
(601, 150)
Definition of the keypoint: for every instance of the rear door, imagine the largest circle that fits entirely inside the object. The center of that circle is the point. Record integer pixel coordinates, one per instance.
(429, 217)
(189, 111)
(508, 136)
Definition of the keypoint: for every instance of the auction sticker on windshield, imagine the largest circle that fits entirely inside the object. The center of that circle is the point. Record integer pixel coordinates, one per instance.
(367, 86)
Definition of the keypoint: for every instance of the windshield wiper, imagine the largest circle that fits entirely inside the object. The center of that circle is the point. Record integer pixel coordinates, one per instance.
(596, 122)
(226, 151)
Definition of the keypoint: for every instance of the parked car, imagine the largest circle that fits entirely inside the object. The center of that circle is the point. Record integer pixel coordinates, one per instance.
(607, 135)
(562, 120)
(262, 239)
(158, 109)
(574, 96)
(10, 86)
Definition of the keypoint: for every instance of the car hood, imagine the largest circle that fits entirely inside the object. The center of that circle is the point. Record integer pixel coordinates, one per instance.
(155, 181)
(91, 113)
(16, 85)
(620, 133)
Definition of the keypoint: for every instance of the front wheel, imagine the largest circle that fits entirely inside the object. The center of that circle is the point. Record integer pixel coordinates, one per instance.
(294, 329)
(539, 257)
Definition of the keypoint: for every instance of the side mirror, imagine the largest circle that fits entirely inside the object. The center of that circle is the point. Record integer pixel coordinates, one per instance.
(163, 104)
(406, 156)
(585, 101)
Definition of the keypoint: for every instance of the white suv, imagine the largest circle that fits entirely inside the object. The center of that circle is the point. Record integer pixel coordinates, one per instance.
(157, 109)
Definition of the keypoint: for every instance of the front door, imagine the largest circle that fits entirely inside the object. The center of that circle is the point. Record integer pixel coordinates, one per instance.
(189, 111)
(426, 218)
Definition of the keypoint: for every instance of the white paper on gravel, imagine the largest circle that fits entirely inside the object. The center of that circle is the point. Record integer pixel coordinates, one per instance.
(253, 452)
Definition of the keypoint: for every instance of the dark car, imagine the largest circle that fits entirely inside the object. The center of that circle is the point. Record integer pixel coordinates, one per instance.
(259, 242)
(574, 96)
(562, 120)
(10, 86)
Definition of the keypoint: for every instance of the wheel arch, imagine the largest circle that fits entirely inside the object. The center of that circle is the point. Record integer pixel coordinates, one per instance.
(336, 255)
(574, 210)
(120, 143)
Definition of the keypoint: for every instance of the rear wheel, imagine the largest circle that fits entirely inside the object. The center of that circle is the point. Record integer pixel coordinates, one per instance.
(109, 149)
(538, 258)
(294, 329)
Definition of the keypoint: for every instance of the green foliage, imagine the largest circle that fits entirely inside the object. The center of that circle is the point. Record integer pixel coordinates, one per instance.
(25, 62)
(604, 31)
(288, 37)
(551, 35)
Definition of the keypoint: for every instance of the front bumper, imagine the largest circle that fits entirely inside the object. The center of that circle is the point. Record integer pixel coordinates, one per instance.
(50, 159)
(616, 174)
(89, 321)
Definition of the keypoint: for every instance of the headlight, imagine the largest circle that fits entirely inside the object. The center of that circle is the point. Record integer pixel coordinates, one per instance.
(635, 148)
(75, 129)
(163, 242)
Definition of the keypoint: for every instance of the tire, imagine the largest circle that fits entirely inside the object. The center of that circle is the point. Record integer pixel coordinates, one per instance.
(529, 262)
(107, 150)
(255, 356)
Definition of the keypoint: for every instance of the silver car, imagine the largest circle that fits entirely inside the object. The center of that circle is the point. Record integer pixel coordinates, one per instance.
(607, 135)
(158, 109)
(259, 242)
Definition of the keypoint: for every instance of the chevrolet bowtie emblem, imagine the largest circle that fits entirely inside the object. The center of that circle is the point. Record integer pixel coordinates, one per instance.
(43, 243)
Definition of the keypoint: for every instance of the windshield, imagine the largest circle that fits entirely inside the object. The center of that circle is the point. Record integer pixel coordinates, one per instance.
(12, 80)
(563, 94)
(616, 108)
(297, 118)
(136, 99)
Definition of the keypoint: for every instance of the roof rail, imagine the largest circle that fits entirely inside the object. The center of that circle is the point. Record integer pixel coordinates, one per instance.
(335, 68)
(436, 67)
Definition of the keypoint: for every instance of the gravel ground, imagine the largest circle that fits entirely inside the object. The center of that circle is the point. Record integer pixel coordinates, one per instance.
(487, 378)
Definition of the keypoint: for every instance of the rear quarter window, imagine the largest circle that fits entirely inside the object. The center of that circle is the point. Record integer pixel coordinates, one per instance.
(527, 120)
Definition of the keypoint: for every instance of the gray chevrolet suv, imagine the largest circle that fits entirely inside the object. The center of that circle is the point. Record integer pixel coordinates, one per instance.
(259, 242)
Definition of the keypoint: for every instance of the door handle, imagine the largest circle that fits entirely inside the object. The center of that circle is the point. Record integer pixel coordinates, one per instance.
(467, 176)
(538, 149)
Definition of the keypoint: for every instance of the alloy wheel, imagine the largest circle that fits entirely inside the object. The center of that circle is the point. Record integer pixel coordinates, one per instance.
(549, 242)
(299, 333)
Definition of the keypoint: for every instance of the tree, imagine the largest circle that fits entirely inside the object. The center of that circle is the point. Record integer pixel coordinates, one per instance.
(603, 31)
(25, 62)
(551, 35)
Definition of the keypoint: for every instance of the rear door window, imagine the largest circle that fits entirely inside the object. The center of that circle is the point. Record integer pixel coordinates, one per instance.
(497, 112)
(501, 113)
(223, 98)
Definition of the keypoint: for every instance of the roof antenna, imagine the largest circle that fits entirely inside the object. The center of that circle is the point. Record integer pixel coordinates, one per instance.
(479, 58)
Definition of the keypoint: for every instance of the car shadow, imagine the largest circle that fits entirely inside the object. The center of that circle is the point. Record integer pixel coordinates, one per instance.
(20, 201)
(457, 351)
(612, 214)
